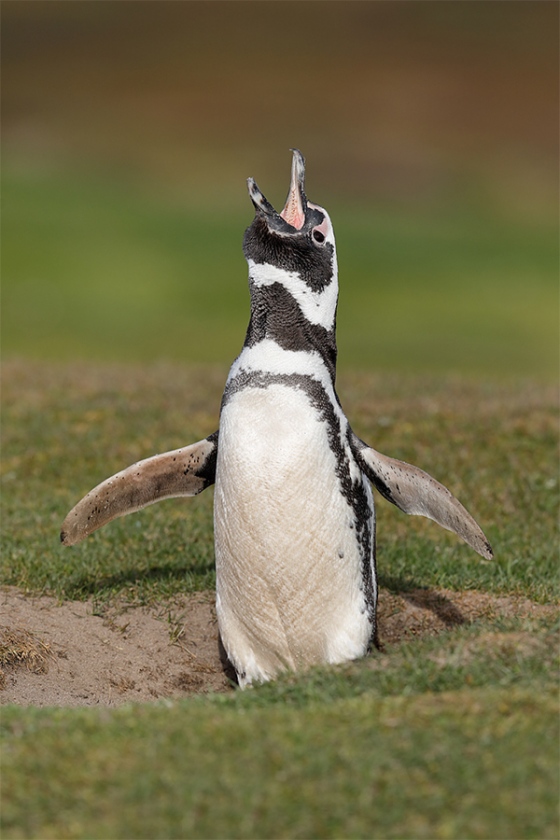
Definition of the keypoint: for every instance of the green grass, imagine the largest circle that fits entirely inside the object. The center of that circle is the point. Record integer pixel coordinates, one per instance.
(101, 270)
(445, 737)
(448, 737)
(467, 763)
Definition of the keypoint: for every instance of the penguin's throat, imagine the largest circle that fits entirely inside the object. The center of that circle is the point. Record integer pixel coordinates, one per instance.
(277, 319)
(286, 300)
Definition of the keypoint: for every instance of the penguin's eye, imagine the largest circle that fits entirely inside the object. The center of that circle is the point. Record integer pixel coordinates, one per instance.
(318, 236)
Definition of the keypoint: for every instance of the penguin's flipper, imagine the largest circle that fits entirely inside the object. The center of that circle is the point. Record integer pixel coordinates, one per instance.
(415, 492)
(183, 472)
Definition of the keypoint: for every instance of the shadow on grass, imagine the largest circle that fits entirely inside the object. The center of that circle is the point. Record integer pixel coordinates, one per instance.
(398, 584)
(193, 578)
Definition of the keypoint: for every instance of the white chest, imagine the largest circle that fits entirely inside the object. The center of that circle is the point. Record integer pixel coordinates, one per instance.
(288, 561)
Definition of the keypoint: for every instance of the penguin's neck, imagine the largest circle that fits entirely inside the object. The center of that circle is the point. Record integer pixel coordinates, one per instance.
(296, 318)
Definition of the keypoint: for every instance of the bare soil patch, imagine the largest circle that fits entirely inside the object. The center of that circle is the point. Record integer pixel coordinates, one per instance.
(143, 654)
(126, 654)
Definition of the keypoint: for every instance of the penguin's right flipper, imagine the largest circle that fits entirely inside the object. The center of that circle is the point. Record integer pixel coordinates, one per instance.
(416, 492)
(183, 472)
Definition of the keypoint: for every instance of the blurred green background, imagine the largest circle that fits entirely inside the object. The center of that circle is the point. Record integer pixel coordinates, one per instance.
(431, 135)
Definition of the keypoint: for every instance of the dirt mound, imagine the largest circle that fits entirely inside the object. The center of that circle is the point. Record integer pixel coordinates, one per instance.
(65, 655)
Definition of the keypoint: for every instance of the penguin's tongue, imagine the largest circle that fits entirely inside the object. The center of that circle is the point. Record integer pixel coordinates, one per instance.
(294, 209)
(293, 212)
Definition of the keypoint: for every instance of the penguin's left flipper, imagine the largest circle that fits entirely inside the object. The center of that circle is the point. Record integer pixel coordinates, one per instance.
(183, 472)
(415, 492)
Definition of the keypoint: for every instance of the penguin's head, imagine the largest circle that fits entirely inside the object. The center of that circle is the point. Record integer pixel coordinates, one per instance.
(298, 240)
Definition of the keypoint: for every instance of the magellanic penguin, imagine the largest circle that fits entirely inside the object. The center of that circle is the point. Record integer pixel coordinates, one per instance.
(294, 514)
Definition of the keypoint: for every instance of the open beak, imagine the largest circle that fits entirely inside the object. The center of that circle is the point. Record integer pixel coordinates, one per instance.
(293, 214)
(296, 203)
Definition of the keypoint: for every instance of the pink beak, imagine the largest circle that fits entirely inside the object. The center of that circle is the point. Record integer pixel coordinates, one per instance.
(296, 203)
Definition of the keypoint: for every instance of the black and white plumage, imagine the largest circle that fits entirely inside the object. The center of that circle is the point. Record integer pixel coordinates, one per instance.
(294, 516)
